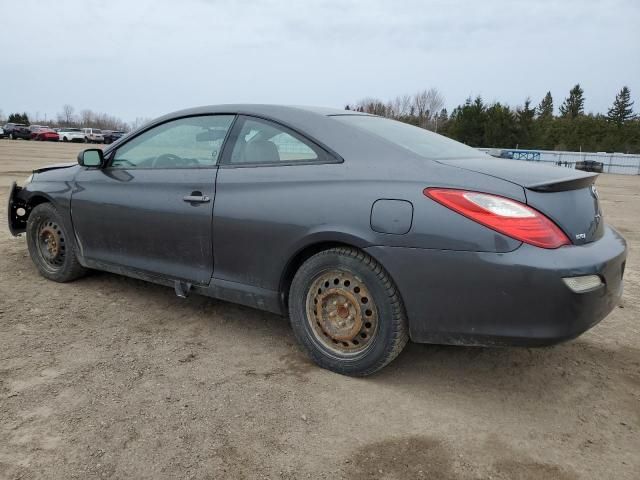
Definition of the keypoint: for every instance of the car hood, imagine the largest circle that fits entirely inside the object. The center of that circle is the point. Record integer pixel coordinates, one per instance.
(55, 166)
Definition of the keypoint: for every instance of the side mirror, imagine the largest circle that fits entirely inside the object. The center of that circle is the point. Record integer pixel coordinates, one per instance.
(92, 157)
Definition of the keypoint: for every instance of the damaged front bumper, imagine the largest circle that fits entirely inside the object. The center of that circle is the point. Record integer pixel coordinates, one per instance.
(17, 211)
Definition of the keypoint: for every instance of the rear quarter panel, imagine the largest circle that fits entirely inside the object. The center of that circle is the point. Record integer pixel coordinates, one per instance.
(264, 216)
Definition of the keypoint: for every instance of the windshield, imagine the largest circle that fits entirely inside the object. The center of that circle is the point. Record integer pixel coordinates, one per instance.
(95, 130)
(418, 140)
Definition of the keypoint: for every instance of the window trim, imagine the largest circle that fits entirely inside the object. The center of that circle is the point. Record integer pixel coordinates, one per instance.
(330, 156)
(112, 153)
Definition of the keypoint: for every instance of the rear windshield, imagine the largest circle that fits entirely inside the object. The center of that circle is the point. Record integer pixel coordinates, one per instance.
(418, 140)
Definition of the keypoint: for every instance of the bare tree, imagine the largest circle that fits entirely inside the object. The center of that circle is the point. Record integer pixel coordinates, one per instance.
(373, 106)
(421, 109)
(427, 104)
(399, 107)
(86, 118)
(67, 114)
(138, 122)
(405, 105)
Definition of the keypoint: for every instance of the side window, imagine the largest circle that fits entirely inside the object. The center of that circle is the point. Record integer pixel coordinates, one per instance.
(192, 142)
(262, 142)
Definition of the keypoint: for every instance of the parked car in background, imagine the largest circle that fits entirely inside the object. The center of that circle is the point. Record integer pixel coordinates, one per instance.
(33, 129)
(45, 134)
(93, 135)
(71, 135)
(2, 134)
(590, 166)
(496, 152)
(17, 130)
(111, 136)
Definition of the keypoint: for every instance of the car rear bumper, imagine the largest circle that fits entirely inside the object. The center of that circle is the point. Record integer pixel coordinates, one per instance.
(514, 298)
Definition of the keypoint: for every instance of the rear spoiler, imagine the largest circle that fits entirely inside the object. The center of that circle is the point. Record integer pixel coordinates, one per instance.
(562, 185)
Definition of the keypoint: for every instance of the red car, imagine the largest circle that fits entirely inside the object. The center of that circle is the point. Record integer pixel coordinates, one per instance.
(44, 134)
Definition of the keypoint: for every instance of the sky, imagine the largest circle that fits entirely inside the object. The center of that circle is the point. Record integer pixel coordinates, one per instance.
(144, 58)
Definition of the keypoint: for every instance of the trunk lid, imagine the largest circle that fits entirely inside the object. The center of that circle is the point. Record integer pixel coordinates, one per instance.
(568, 197)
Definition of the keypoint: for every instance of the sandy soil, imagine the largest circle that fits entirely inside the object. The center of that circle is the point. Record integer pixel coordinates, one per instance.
(110, 377)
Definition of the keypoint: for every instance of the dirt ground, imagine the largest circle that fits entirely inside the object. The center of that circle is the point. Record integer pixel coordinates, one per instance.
(109, 377)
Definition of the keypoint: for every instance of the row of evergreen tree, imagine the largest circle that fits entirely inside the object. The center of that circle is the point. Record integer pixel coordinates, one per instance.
(497, 125)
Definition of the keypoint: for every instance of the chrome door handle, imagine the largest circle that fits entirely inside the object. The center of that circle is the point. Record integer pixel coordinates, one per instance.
(196, 199)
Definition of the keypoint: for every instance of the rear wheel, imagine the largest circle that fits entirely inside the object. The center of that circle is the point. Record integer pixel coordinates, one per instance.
(51, 247)
(346, 312)
(65, 139)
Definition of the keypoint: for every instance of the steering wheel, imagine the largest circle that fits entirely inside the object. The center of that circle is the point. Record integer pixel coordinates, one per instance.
(118, 160)
(170, 157)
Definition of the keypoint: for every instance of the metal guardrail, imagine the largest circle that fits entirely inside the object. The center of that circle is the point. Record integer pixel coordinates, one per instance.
(620, 163)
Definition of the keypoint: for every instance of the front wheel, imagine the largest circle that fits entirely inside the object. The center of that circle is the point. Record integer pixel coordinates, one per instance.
(346, 312)
(51, 246)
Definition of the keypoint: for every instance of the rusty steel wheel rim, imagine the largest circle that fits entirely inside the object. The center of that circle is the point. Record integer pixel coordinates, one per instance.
(51, 244)
(341, 312)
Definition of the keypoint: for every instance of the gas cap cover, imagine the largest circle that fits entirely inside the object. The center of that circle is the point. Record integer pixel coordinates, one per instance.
(391, 216)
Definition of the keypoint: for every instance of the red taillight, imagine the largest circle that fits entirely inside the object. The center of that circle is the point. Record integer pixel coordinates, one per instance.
(512, 218)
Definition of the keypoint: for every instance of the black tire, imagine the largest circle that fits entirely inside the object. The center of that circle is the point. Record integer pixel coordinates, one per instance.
(65, 139)
(12, 136)
(309, 303)
(51, 246)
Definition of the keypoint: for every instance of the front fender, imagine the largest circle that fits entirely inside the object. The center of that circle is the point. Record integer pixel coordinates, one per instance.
(17, 223)
(22, 200)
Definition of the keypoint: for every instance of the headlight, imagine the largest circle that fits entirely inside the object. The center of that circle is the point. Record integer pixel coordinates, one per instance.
(29, 178)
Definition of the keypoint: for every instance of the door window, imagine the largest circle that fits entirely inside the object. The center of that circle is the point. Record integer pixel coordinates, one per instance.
(192, 142)
(262, 142)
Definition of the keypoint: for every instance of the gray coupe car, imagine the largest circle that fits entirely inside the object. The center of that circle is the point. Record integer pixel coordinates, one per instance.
(366, 231)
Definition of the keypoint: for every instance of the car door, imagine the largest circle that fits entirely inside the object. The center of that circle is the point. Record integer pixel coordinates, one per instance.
(267, 191)
(150, 208)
